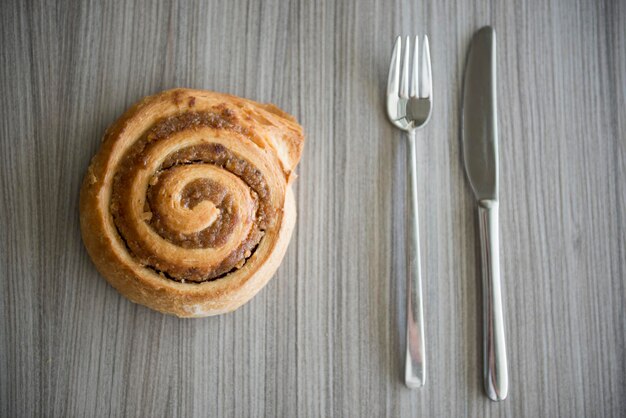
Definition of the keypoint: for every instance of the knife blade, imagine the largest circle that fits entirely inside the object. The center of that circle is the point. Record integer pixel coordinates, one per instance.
(479, 118)
(479, 136)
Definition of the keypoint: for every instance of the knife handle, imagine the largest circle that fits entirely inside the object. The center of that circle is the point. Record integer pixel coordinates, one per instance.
(494, 361)
(415, 365)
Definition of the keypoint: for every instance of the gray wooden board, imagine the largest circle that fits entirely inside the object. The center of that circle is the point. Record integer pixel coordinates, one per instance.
(325, 337)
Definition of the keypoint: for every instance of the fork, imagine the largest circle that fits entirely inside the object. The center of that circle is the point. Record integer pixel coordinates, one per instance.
(409, 106)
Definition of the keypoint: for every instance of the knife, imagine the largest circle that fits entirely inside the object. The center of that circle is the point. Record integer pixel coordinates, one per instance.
(479, 132)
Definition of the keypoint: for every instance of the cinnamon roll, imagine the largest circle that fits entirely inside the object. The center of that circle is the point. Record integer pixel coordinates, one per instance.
(187, 207)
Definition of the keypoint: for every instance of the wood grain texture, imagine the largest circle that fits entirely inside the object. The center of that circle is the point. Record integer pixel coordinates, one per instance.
(325, 337)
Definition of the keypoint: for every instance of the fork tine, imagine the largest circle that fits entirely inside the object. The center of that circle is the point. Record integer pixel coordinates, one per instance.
(404, 78)
(426, 80)
(394, 69)
(414, 69)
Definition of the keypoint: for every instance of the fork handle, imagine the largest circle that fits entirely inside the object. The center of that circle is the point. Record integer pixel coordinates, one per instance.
(415, 366)
(495, 368)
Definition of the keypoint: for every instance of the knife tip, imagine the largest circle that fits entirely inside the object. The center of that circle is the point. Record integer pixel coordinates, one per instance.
(486, 31)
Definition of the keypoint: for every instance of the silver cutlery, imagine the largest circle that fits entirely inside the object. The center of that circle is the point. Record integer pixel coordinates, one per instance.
(409, 106)
(479, 131)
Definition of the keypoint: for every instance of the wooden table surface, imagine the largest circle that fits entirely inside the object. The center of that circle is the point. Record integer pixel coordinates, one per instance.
(325, 337)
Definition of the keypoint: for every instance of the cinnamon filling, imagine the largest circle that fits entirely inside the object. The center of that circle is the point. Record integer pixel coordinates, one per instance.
(194, 193)
(222, 218)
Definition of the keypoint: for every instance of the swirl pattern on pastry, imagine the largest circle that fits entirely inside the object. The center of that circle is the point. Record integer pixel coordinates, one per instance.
(187, 207)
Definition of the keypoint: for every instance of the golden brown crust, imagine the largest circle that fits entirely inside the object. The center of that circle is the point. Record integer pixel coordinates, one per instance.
(268, 144)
